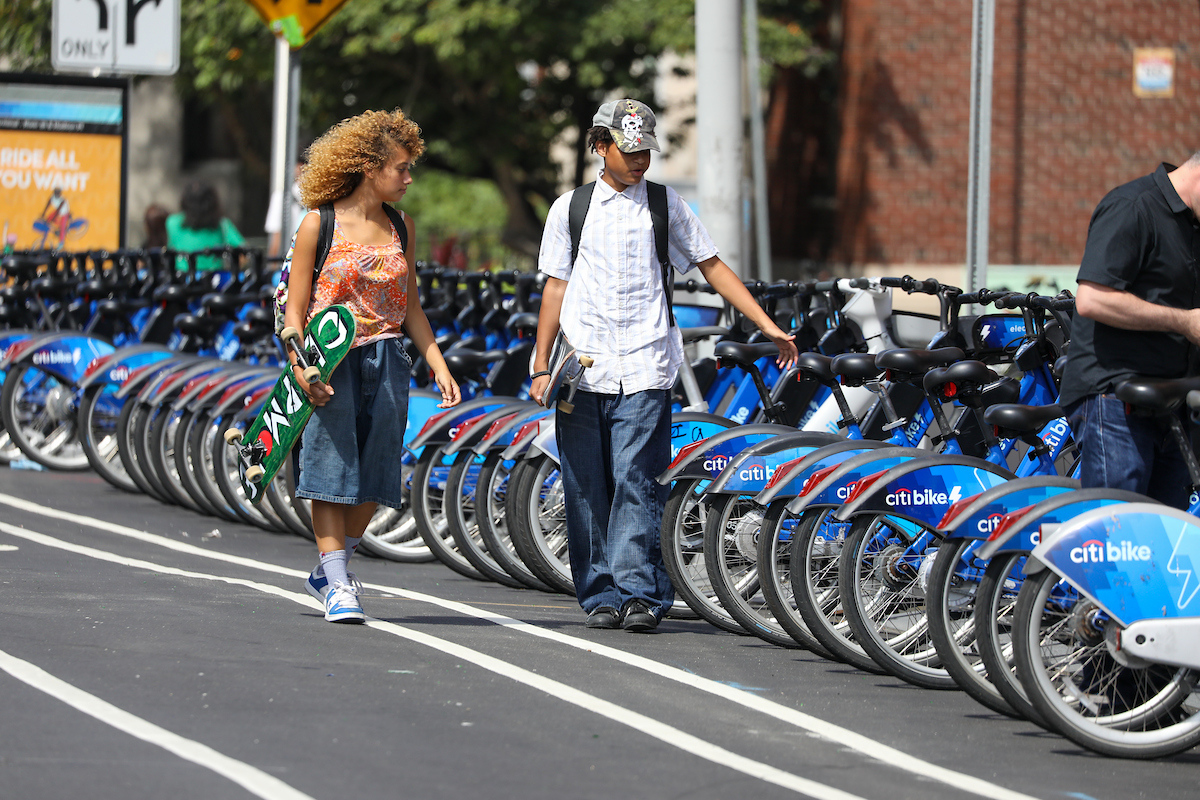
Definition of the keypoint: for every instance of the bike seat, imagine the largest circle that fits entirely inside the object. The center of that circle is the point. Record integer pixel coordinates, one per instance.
(816, 366)
(1156, 394)
(744, 355)
(112, 309)
(464, 363)
(221, 305)
(260, 315)
(92, 289)
(173, 294)
(526, 322)
(194, 324)
(1060, 366)
(1003, 391)
(961, 373)
(855, 368)
(48, 287)
(251, 330)
(918, 362)
(696, 334)
(1014, 419)
(20, 267)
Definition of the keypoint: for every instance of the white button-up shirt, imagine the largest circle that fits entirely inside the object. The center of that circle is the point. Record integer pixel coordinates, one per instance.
(614, 308)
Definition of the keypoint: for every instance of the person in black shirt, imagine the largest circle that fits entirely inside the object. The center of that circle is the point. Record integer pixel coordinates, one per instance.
(1136, 315)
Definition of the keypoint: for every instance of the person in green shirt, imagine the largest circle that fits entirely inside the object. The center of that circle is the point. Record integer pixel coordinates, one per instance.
(200, 226)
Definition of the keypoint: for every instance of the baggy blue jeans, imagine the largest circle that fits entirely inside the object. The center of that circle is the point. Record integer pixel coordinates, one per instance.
(1128, 451)
(612, 447)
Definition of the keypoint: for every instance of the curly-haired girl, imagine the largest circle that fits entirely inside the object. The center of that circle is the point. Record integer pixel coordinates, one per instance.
(357, 166)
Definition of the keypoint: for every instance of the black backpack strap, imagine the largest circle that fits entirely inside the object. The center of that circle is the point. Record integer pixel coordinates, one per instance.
(397, 219)
(656, 194)
(324, 240)
(581, 200)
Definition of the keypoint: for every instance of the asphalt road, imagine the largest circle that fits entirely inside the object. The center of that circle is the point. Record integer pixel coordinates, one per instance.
(140, 658)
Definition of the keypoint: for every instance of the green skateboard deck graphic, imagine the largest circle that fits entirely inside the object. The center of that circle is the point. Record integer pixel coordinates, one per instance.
(278, 426)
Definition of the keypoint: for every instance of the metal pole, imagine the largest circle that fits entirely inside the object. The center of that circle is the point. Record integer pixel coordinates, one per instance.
(979, 163)
(279, 128)
(719, 131)
(758, 160)
(289, 169)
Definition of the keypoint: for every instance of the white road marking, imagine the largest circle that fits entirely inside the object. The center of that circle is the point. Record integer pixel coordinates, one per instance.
(250, 778)
(827, 730)
(8, 548)
(639, 722)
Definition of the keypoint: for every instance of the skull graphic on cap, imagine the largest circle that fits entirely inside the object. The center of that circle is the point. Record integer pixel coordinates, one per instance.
(631, 126)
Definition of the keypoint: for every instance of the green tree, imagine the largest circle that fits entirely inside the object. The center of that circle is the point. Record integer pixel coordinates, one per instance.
(492, 82)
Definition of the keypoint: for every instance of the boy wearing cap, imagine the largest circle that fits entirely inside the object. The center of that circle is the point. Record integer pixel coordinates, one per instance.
(610, 302)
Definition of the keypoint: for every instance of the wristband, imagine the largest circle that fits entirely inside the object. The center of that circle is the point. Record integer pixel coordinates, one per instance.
(537, 375)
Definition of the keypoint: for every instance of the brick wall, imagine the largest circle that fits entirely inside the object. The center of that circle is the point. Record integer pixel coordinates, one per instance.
(1066, 124)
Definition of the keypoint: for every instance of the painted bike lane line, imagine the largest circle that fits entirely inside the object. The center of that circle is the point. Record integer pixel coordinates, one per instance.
(675, 737)
(834, 733)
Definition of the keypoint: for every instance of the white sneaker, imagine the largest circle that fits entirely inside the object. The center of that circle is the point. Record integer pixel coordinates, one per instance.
(318, 587)
(341, 604)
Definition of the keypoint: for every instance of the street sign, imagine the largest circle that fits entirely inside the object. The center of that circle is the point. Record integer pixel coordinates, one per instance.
(295, 20)
(121, 36)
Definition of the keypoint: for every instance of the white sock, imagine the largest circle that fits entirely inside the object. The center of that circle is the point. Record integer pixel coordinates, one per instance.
(351, 546)
(335, 567)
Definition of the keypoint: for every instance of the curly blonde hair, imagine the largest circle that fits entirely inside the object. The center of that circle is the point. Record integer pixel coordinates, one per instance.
(338, 160)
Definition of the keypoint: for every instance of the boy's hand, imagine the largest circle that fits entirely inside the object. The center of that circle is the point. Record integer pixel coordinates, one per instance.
(538, 388)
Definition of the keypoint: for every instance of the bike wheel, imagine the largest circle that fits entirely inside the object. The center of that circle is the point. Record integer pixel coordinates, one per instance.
(200, 444)
(994, 607)
(952, 590)
(1075, 677)
(429, 498)
(98, 414)
(160, 447)
(731, 534)
(9, 452)
(279, 495)
(40, 413)
(817, 546)
(774, 559)
(183, 461)
(881, 596)
(132, 420)
(537, 521)
(225, 469)
(400, 541)
(683, 553)
(491, 514)
(461, 517)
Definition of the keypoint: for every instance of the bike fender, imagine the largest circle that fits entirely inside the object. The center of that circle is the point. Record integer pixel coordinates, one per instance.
(236, 397)
(1021, 530)
(169, 381)
(749, 471)
(506, 432)
(66, 356)
(147, 372)
(789, 479)
(213, 392)
(222, 376)
(545, 443)
(26, 342)
(976, 517)
(438, 427)
(835, 487)
(10, 340)
(707, 457)
(1138, 561)
(468, 439)
(117, 366)
(922, 491)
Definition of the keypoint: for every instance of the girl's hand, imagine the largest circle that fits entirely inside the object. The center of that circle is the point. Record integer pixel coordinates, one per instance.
(450, 393)
(538, 388)
(318, 393)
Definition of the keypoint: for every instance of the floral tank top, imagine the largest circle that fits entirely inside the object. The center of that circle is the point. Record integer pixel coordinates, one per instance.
(370, 280)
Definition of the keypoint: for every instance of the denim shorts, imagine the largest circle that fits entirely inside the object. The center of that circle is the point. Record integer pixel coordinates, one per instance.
(363, 424)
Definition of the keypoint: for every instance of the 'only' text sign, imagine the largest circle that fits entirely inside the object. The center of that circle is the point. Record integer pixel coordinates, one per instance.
(124, 36)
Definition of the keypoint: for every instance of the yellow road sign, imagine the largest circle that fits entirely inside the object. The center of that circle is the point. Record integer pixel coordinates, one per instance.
(296, 20)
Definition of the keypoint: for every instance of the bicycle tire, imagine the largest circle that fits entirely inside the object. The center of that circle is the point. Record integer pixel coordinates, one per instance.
(41, 420)
(774, 559)
(540, 541)
(428, 511)
(98, 437)
(995, 604)
(462, 515)
(1042, 630)
(200, 445)
(183, 461)
(132, 418)
(495, 477)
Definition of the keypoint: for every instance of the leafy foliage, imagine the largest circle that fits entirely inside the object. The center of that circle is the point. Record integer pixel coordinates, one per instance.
(493, 82)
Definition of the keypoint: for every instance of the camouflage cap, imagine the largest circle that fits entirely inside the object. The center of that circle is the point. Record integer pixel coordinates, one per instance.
(631, 124)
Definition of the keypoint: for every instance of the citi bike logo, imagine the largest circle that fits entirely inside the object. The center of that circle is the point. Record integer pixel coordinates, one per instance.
(756, 473)
(1095, 551)
(922, 497)
(716, 463)
(990, 524)
(52, 357)
(742, 415)
(844, 492)
(1053, 437)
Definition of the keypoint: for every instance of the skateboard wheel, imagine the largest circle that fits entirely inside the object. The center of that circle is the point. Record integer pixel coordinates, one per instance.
(233, 436)
(312, 374)
(565, 407)
(586, 361)
(289, 334)
(254, 474)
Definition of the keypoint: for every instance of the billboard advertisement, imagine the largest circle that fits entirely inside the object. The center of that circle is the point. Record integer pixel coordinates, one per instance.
(62, 162)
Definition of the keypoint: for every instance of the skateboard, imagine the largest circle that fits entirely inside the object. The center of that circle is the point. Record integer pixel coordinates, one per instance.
(566, 369)
(263, 447)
